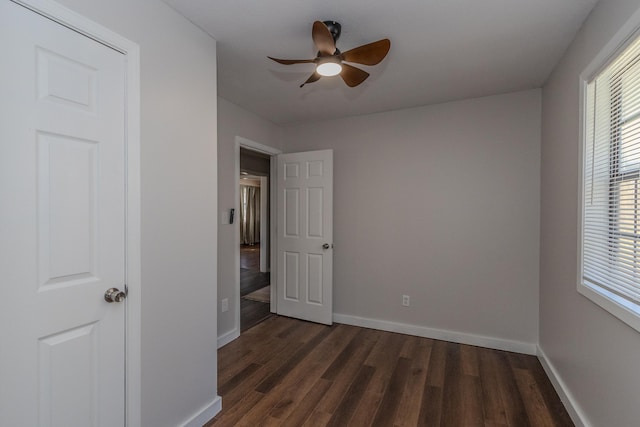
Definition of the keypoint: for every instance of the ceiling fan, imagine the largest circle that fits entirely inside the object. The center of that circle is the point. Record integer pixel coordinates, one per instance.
(331, 62)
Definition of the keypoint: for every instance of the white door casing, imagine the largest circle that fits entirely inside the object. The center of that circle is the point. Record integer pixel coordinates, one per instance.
(62, 221)
(265, 225)
(305, 224)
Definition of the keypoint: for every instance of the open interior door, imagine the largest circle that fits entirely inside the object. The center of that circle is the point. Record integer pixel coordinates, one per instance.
(305, 235)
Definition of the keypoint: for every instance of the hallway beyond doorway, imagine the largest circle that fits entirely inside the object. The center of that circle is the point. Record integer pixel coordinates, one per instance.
(251, 279)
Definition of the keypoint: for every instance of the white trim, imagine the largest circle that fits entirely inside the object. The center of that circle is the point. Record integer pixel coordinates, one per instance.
(625, 310)
(621, 308)
(438, 334)
(570, 403)
(273, 222)
(134, 261)
(205, 414)
(581, 152)
(618, 42)
(255, 146)
(264, 219)
(227, 337)
(131, 50)
(271, 151)
(70, 19)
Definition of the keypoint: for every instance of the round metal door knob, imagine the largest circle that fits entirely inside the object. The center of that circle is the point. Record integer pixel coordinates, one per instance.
(114, 295)
(326, 246)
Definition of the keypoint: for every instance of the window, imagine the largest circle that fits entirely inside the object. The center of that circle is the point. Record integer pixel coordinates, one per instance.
(610, 238)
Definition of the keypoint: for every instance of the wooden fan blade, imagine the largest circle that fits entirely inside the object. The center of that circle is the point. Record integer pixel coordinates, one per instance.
(323, 39)
(313, 78)
(353, 76)
(291, 61)
(368, 54)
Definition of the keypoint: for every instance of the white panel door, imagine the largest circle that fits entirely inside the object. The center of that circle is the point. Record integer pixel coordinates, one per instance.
(305, 235)
(62, 225)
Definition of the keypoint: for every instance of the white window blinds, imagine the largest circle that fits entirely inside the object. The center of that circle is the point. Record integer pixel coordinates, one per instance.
(611, 210)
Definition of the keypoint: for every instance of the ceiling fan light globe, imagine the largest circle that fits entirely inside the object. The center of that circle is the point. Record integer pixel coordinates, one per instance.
(329, 69)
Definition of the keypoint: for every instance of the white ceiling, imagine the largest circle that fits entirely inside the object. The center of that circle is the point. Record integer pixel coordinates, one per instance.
(441, 50)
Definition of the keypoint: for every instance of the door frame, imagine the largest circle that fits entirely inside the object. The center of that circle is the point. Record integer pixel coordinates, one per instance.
(271, 152)
(131, 51)
(265, 237)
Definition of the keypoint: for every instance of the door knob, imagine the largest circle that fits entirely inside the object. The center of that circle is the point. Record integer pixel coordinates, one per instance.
(326, 246)
(114, 295)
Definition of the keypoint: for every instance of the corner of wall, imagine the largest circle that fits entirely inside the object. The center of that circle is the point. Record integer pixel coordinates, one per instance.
(227, 337)
(204, 414)
(573, 408)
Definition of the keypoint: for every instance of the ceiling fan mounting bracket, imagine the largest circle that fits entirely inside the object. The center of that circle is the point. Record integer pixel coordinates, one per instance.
(334, 28)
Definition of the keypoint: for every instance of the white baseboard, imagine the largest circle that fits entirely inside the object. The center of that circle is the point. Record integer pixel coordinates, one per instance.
(205, 414)
(226, 338)
(575, 412)
(438, 334)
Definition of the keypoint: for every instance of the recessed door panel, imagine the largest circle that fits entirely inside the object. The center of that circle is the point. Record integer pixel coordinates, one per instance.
(314, 278)
(291, 171)
(65, 81)
(315, 169)
(292, 212)
(314, 212)
(67, 378)
(292, 276)
(67, 186)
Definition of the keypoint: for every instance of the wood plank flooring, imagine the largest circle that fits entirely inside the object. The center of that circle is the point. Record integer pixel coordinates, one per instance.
(252, 313)
(286, 372)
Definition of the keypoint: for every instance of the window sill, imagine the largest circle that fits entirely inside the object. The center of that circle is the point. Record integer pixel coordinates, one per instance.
(624, 310)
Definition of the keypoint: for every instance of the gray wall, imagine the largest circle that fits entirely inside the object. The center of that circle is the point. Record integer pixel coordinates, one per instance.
(440, 203)
(178, 184)
(234, 121)
(594, 354)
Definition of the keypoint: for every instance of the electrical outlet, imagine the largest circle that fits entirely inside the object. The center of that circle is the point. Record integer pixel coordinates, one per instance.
(406, 300)
(224, 305)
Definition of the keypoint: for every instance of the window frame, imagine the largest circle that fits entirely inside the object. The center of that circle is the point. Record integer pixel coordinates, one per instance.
(625, 310)
(618, 176)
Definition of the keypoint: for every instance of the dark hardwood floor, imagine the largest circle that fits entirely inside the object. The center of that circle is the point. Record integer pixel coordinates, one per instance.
(252, 313)
(250, 257)
(286, 372)
(251, 279)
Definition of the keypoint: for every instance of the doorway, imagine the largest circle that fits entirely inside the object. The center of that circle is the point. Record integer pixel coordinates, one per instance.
(258, 163)
(253, 218)
(313, 265)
